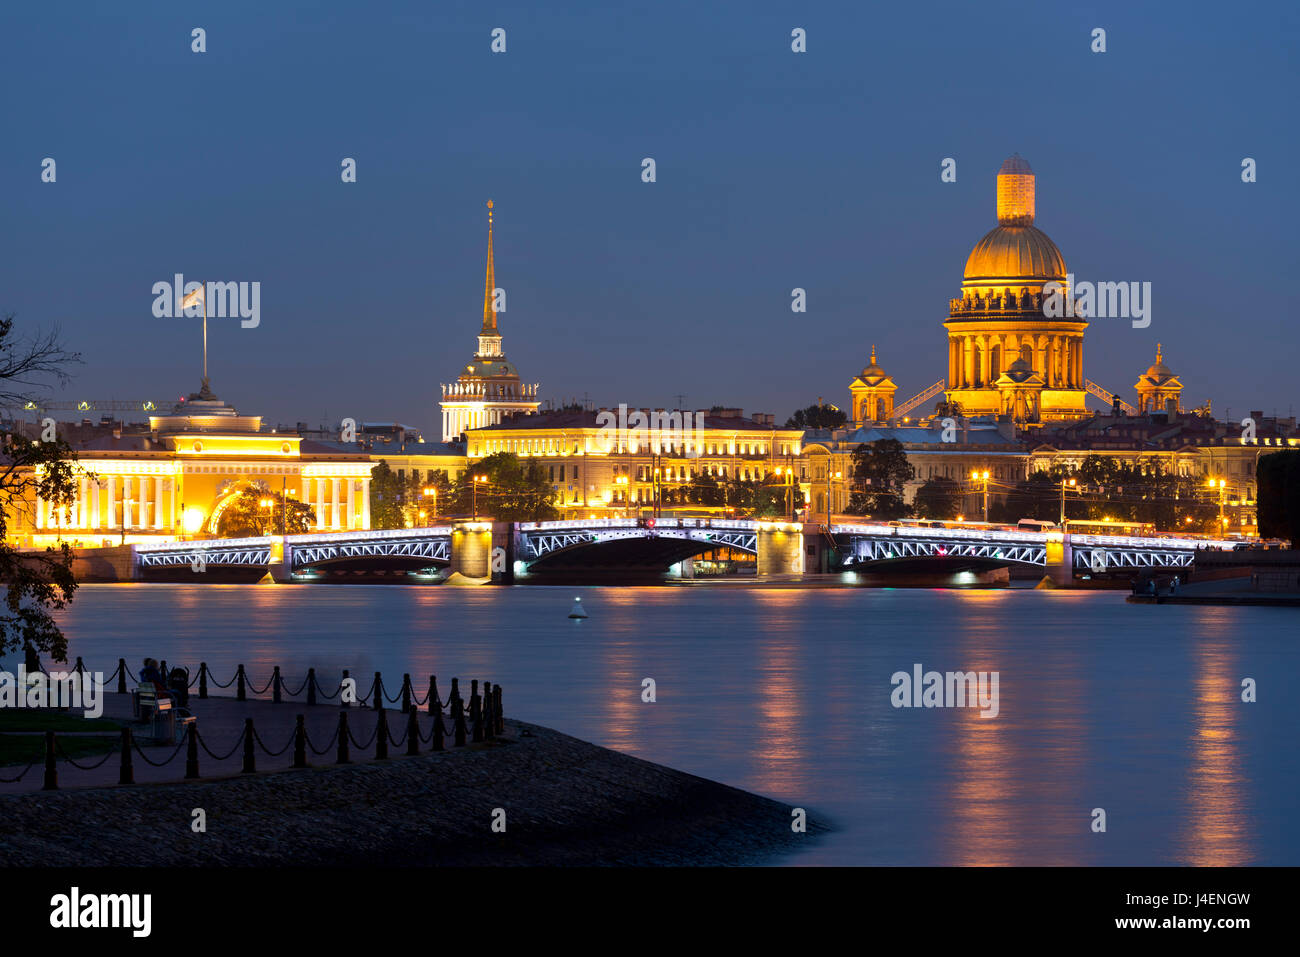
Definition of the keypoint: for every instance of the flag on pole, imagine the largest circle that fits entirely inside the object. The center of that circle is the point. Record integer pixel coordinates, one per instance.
(193, 298)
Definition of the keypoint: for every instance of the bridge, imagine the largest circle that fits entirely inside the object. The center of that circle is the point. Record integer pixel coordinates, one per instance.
(504, 552)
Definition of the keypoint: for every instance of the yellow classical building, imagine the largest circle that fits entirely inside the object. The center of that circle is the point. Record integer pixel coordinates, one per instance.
(175, 479)
(600, 469)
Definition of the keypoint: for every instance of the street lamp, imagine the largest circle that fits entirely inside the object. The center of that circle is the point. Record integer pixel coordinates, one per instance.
(829, 475)
(478, 480)
(1064, 482)
(430, 491)
(984, 477)
(1221, 485)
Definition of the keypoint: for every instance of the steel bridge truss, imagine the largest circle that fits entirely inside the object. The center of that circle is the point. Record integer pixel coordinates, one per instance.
(864, 550)
(545, 542)
(433, 549)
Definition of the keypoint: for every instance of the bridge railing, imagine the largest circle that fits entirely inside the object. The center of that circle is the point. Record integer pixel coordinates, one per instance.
(198, 544)
(308, 538)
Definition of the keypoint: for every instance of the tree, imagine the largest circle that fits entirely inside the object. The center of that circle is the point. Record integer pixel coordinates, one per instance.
(816, 417)
(1279, 495)
(515, 491)
(256, 511)
(880, 471)
(385, 498)
(36, 583)
(938, 498)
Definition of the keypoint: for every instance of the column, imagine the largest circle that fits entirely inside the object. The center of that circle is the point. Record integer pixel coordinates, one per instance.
(365, 503)
(176, 520)
(110, 517)
(320, 503)
(157, 501)
(334, 504)
(83, 503)
(94, 503)
(968, 348)
(126, 501)
(984, 362)
(349, 502)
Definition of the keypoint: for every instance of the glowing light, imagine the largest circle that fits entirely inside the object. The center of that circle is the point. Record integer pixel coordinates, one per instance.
(193, 520)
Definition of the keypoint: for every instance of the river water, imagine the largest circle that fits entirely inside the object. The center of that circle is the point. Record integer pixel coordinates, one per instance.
(1132, 709)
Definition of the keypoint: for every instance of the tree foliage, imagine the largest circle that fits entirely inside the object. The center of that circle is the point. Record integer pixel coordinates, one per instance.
(880, 470)
(938, 498)
(36, 583)
(515, 490)
(817, 417)
(1279, 495)
(256, 510)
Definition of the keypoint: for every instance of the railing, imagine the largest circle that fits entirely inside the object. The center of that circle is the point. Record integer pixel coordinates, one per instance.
(482, 720)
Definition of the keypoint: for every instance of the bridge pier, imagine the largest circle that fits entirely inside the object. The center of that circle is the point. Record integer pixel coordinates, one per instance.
(471, 549)
(780, 547)
(281, 565)
(1059, 565)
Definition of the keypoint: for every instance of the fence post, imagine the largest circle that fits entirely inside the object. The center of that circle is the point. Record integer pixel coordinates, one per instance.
(475, 712)
(381, 733)
(489, 715)
(239, 687)
(458, 718)
(275, 685)
(51, 772)
(501, 715)
(377, 693)
(412, 733)
(79, 668)
(203, 680)
(311, 685)
(406, 694)
(343, 703)
(121, 676)
(434, 706)
(300, 743)
(192, 750)
(250, 753)
(127, 773)
(343, 738)
(439, 730)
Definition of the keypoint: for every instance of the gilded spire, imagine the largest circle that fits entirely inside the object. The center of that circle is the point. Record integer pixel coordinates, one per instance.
(489, 285)
(873, 353)
(1158, 353)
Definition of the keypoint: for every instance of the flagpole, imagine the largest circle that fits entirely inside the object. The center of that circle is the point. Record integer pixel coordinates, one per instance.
(205, 334)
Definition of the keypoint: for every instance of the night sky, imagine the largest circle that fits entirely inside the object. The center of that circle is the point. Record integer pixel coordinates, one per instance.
(775, 170)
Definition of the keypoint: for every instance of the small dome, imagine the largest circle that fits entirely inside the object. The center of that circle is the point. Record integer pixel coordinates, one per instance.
(1015, 163)
(1011, 254)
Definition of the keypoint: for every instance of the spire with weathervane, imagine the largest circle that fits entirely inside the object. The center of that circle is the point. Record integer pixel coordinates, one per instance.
(489, 339)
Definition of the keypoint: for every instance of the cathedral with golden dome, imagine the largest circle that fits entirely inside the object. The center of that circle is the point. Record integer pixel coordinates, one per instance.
(1005, 357)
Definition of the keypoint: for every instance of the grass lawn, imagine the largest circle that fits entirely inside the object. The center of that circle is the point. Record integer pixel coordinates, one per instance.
(25, 719)
(22, 748)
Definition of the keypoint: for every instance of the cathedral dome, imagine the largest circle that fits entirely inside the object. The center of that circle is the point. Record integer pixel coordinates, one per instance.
(1012, 254)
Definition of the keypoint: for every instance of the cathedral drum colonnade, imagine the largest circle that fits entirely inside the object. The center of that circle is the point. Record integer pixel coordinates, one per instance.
(1004, 355)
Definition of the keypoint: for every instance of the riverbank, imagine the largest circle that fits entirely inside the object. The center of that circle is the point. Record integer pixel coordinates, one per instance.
(566, 802)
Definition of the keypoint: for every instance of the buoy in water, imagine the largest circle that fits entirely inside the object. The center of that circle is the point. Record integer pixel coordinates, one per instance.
(578, 611)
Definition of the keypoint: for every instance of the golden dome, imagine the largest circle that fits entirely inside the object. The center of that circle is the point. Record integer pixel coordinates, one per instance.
(1012, 255)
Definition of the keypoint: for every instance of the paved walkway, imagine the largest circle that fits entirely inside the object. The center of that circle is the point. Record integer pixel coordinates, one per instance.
(220, 724)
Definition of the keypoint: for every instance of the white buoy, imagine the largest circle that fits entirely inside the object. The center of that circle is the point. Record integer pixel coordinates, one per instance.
(578, 611)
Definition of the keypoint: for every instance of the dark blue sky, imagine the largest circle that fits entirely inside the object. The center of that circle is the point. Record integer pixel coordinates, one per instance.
(775, 170)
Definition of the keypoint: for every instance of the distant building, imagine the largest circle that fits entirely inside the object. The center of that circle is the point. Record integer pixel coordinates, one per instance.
(489, 389)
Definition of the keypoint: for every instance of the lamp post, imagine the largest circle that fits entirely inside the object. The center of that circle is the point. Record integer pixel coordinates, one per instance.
(431, 491)
(984, 477)
(478, 480)
(829, 475)
(1064, 482)
(1221, 485)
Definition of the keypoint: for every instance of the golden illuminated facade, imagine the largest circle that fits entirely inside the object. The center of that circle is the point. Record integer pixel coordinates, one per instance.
(598, 472)
(175, 480)
(489, 389)
(1159, 389)
(1005, 357)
